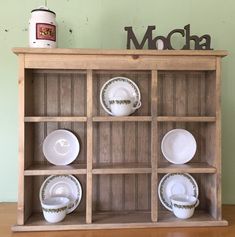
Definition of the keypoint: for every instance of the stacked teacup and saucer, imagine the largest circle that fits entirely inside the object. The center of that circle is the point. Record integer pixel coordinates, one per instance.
(122, 104)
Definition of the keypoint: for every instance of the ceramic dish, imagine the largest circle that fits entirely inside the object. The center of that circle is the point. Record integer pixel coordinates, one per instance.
(178, 146)
(119, 87)
(176, 183)
(61, 147)
(62, 186)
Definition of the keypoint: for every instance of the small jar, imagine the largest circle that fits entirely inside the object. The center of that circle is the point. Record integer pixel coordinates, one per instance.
(42, 28)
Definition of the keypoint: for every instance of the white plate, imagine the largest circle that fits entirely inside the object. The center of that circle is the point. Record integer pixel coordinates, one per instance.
(61, 147)
(62, 185)
(119, 87)
(178, 146)
(177, 183)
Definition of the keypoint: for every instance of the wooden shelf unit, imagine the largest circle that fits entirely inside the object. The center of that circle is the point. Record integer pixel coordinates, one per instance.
(120, 163)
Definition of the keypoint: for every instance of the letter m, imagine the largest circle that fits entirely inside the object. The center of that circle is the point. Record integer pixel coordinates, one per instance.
(147, 37)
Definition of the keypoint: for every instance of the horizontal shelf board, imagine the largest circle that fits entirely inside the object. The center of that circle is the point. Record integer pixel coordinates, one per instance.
(59, 71)
(200, 218)
(186, 119)
(39, 169)
(54, 119)
(120, 52)
(114, 220)
(122, 119)
(122, 168)
(186, 168)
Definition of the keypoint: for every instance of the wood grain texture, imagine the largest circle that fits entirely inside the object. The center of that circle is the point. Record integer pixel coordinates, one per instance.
(185, 119)
(129, 62)
(36, 119)
(197, 168)
(122, 119)
(89, 148)
(130, 198)
(121, 52)
(120, 162)
(41, 169)
(186, 94)
(8, 214)
(21, 147)
(114, 220)
(154, 147)
(218, 207)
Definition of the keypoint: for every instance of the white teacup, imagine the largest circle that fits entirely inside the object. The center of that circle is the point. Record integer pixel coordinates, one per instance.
(183, 206)
(55, 208)
(123, 107)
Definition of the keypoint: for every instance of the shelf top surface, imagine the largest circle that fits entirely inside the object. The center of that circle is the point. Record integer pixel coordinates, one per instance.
(76, 51)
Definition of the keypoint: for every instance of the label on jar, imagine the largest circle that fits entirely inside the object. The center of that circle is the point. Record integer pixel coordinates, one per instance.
(45, 31)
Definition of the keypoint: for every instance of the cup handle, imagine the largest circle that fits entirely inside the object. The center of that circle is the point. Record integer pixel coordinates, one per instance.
(197, 203)
(137, 106)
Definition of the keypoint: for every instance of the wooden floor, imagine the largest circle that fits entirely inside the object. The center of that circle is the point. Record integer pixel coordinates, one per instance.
(8, 218)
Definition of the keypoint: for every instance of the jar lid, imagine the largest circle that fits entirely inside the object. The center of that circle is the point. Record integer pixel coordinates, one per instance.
(43, 8)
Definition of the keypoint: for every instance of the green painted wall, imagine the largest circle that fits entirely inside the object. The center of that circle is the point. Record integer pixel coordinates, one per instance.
(100, 24)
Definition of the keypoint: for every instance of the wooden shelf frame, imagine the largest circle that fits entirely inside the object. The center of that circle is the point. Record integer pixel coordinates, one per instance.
(205, 120)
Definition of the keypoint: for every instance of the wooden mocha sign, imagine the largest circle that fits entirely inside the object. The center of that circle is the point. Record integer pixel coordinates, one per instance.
(200, 43)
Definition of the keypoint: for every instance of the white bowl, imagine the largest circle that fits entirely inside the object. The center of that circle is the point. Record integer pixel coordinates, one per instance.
(178, 146)
(55, 208)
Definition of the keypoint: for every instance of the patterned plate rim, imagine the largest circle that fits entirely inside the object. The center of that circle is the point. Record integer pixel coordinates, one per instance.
(163, 180)
(112, 80)
(76, 202)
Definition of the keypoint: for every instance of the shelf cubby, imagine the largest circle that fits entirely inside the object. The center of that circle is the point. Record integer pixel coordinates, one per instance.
(52, 93)
(35, 133)
(207, 187)
(204, 134)
(33, 213)
(186, 93)
(121, 193)
(141, 78)
(121, 145)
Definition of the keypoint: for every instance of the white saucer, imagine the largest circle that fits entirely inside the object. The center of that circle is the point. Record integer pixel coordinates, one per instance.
(121, 87)
(62, 186)
(61, 147)
(177, 183)
(178, 146)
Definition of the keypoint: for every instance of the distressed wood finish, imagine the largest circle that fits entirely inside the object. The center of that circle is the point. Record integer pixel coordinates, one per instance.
(99, 62)
(120, 162)
(220, 53)
(8, 213)
(21, 149)
(89, 148)
(218, 202)
(154, 142)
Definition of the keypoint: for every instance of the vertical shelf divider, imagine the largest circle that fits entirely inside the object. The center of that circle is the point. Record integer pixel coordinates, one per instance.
(218, 214)
(89, 149)
(154, 146)
(21, 83)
